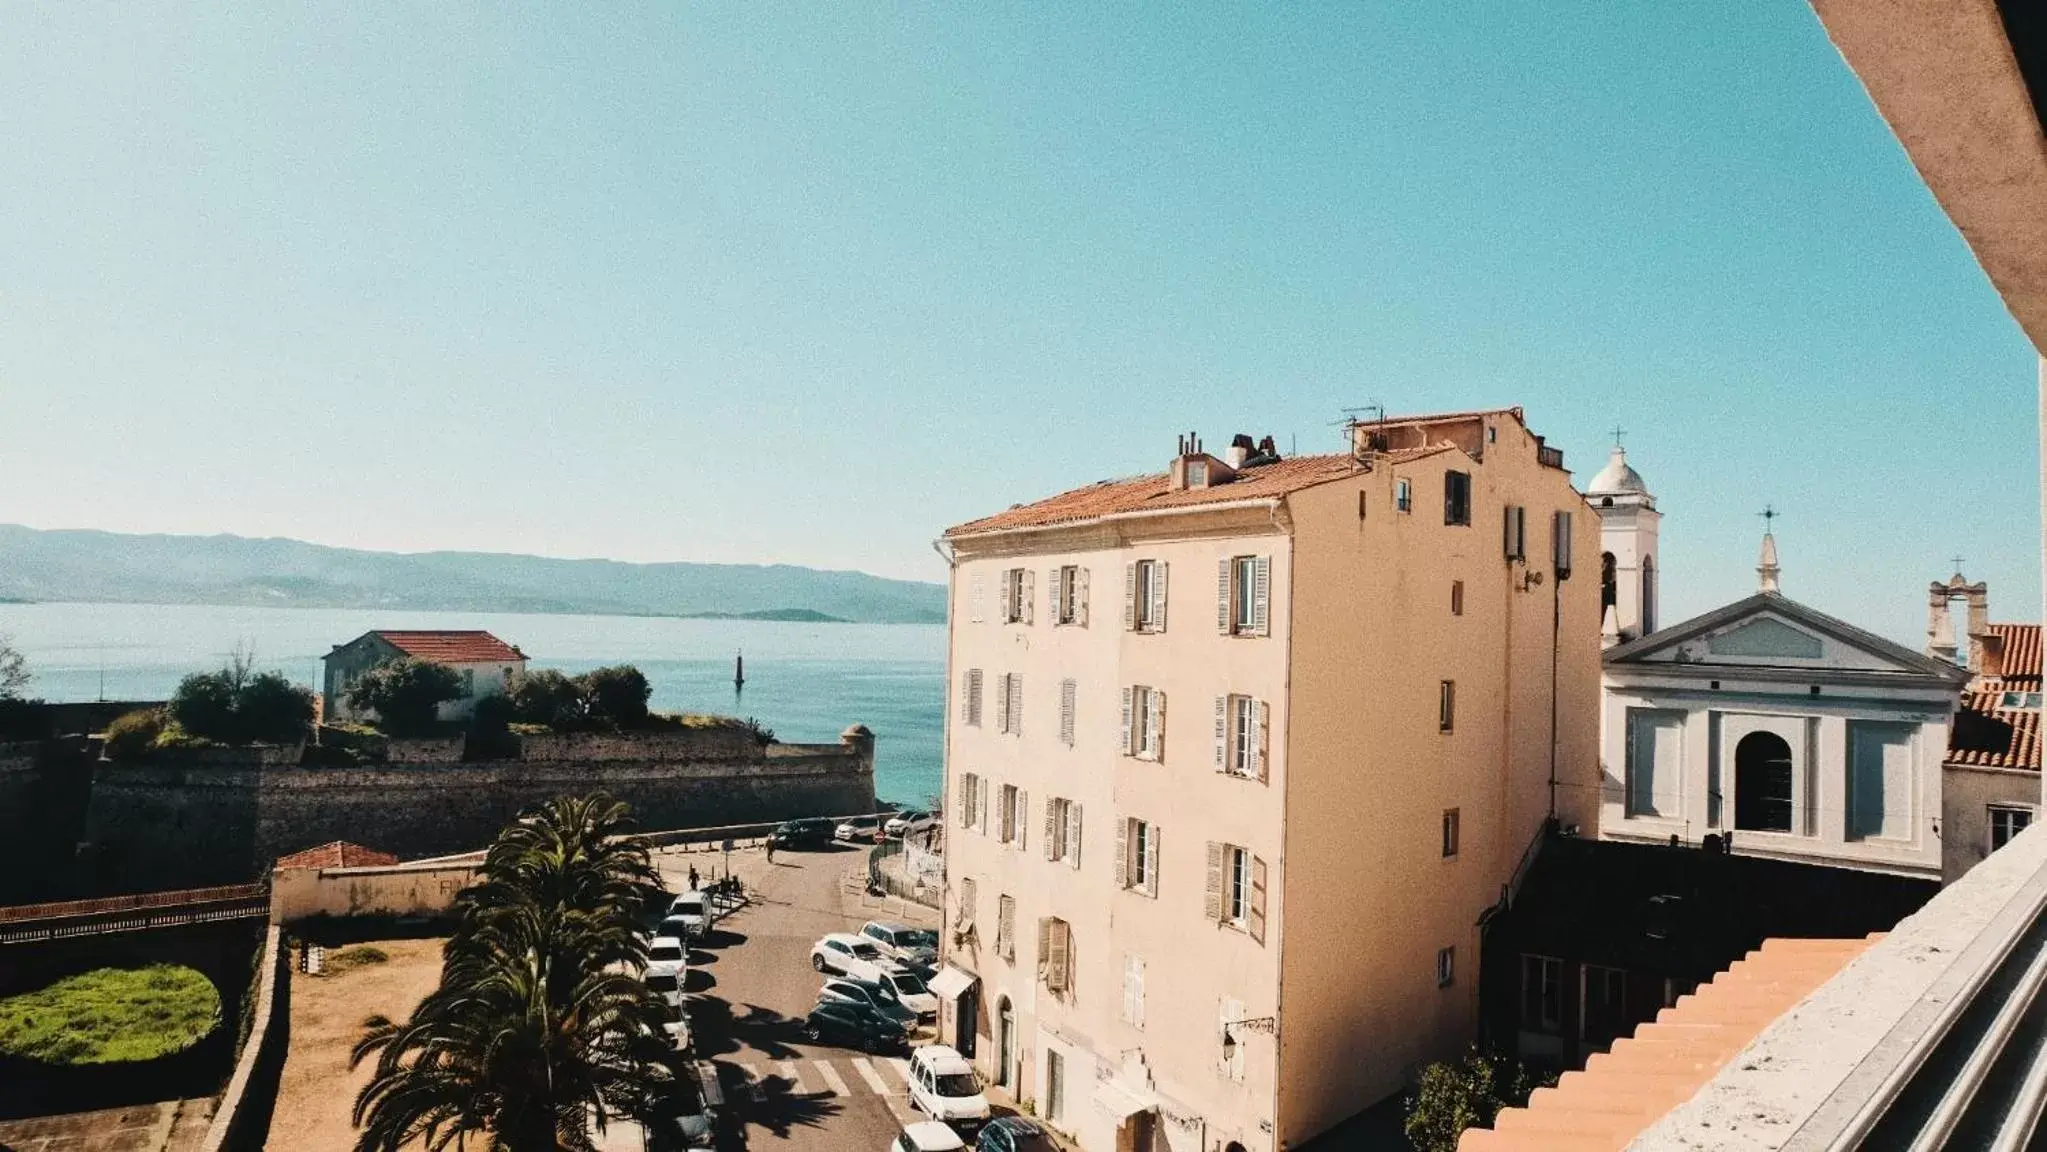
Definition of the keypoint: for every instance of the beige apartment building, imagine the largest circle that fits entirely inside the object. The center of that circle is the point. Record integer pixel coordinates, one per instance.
(1237, 756)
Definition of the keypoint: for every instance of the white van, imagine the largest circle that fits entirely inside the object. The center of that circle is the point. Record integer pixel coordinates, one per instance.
(944, 1086)
(694, 912)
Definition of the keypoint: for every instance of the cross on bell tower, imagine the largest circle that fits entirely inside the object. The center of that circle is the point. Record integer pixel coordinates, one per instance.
(1767, 571)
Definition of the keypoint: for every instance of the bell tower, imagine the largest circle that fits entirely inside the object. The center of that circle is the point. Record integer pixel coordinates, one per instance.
(1628, 559)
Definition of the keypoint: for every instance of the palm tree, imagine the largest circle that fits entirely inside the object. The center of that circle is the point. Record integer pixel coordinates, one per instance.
(541, 1025)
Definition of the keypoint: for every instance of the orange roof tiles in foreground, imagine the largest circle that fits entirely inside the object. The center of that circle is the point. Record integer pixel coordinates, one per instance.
(452, 647)
(337, 854)
(1623, 1091)
(1154, 492)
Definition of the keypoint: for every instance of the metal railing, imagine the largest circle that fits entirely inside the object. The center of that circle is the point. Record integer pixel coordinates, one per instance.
(30, 923)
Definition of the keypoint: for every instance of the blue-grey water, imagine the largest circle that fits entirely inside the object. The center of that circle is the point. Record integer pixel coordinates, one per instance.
(805, 681)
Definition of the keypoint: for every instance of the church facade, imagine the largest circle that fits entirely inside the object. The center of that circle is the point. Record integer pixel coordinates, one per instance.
(1768, 726)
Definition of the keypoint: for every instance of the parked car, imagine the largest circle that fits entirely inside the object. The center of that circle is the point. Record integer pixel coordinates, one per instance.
(862, 829)
(908, 821)
(944, 1087)
(667, 956)
(678, 1034)
(902, 942)
(848, 955)
(694, 914)
(854, 1025)
(669, 988)
(879, 997)
(909, 990)
(811, 833)
(1014, 1134)
(684, 1132)
(927, 1136)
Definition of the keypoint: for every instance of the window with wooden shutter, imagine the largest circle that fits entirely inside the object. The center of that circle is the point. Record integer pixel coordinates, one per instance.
(1002, 703)
(1073, 833)
(1158, 596)
(1129, 732)
(981, 791)
(1255, 922)
(1022, 819)
(1054, 821)
(1044, 954)
(1059, 963)
(966, 695)
(1261, 744)
(1130, 597)
(1403, 495)
(968, 895)
(966, 804)
(1151, 860)
(1054, 601)
(1080, 599)
(1515, 543)
(1027, 595)
(974, 697)
(1212, 897)
(1155, 724)
(1133, 990)
(1222, 733)
(1261, 596)
(1122, 862)
(1223, 623)
(1005, 927)
(1069, 699)
(1016, 703)
(1005, 815)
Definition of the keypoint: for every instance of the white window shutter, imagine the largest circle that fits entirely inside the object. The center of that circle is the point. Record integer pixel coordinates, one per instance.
(1222, 596)
(974, 697)
(1128, 746)
(1069, 698)
(981, 807)
(966, 695)
(1051, 829)
(1151, 862)
(1122, 863)
(1055, 583)
(966, 811)
(1130, 597)
(1256, 918)
(1157, 721)
(1080, 600)
(1212, 899)
(1073, 833)
(1044, 942)
(1027, 595)
(1261, 596)
(1002, 703)
(1222, 733)
(1158, 596)
(1016, 702)
(1261, 739)
(1022, 819)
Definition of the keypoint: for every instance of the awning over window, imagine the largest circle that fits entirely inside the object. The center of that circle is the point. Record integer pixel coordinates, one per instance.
(1119, 1102)
(948, 984)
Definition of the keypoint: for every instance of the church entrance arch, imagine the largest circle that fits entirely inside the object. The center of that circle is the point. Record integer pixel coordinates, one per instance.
(1762, 783)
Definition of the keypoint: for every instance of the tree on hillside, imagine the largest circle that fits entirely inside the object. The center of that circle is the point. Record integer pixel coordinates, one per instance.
(406, 694)
(535, 1029)
(13, 670)
(616, 695)
(1451, 1097)
(238, 705)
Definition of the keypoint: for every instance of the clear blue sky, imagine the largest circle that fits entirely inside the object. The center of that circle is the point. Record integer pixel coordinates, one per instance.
(744, 282)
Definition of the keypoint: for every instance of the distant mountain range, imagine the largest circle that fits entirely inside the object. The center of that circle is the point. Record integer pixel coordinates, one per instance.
(109, 567)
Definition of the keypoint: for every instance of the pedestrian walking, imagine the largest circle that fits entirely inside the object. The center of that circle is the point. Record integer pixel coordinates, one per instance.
(693, 878)
(771, 851)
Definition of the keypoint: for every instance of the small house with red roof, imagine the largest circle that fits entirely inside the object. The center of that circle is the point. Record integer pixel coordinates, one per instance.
(485, 664)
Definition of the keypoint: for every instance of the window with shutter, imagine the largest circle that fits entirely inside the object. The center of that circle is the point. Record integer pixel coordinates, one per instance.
(1450, 833)
(1515, 544)
(1222, 733)
(1022, 820)
(1446, 718)
(1054, 601)
(1062, 954)
(1080, 600)
(1151, 861)
(1005, 927)
(1133, 990)
(1055, 820)
(1403, 495)
(1212, 898)
(1223, 623)
(1129, 731)
(981, 806)
(969, 895)
(1261, 746)
(1456, 597)
(1027, 595)
(1002, 703)
(1016, 703)
(1073, 834)
(1154, 724)
(1236, 886)
(1457, 498)
(1130, 597)
(1255, 922)
(974, 697)
(1261, 596)
(1005, 815)
(1069, 698)
(1122, 862)
(1158, 596)
(1044, 956)
(966, 804)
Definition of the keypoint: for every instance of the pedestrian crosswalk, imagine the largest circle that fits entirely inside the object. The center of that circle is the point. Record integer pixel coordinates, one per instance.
(879, 1076)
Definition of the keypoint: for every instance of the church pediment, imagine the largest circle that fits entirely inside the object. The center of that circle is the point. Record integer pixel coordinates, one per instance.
(1767, 631)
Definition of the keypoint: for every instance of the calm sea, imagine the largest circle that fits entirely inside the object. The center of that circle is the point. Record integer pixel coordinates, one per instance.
(805, 681)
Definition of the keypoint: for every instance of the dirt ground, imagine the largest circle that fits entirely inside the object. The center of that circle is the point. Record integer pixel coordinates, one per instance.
(318, 1089)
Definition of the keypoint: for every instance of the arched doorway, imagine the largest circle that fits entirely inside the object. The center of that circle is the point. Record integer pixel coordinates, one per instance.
(1762, 783)
(1608, 586)
(1005, 1044)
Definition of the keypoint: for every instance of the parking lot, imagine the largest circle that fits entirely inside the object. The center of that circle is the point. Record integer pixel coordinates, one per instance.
(751, 984)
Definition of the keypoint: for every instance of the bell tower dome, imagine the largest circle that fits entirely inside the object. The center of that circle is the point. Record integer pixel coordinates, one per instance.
(1627, 539)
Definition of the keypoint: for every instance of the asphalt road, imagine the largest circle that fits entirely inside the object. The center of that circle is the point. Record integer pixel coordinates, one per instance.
(751, 984)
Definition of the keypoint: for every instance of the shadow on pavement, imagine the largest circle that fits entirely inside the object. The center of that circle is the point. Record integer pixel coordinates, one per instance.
(777, 1109)
(722, 938)
(698, 980)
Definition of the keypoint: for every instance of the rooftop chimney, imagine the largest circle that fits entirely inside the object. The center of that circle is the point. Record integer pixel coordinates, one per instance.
(1240, 450)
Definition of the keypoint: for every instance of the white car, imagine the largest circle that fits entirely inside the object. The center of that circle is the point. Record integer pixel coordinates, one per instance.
(693, 913)
(848, 955)
(902, 942)
(669, 988)
(907, 822)
(667, 956)
(912, 994)
(927, 1136)
(864, 829)
(943, 1086)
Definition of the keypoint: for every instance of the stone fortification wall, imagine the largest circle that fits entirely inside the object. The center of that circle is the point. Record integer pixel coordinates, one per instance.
(163, 825)
(393, 890)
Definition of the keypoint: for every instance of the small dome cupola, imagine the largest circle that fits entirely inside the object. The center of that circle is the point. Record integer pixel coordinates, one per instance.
(1618, 482)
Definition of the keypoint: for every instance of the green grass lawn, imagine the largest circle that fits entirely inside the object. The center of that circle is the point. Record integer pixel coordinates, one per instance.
(111, 1016)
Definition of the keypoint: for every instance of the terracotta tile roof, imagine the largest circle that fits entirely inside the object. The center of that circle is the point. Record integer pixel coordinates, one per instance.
(1986, 735)
(452, 647)
(1146, 493)
(2021, 662)
(339, 854)
(1623, 1091)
